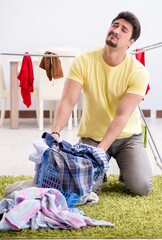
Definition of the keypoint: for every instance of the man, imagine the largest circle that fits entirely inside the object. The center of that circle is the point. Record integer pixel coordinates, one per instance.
(113, 83)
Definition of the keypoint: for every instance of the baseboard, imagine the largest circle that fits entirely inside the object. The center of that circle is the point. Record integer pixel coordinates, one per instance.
(32, 113)
(28, 114)
(159, 114)
(146, 113)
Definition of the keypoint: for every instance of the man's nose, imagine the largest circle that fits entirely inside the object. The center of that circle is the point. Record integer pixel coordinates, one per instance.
(117, 31)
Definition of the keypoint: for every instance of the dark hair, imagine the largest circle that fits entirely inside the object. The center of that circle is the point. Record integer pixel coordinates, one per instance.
(133, 20)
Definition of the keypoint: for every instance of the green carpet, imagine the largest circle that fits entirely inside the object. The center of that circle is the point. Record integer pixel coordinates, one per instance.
(135, 217)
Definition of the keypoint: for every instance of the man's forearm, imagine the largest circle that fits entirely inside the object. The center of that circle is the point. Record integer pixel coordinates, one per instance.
(124, 110)
(61, 116)
(114, 130)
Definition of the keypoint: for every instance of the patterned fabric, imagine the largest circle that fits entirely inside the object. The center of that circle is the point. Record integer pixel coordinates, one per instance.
(41, 207)
(79, 165)
(75, 173)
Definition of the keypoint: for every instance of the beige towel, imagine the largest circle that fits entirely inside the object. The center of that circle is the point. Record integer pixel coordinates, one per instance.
(18, 185)
(52, 65)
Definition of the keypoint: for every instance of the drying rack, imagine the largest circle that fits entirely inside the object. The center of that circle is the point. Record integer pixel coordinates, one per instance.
(151, 141)
(37, 55)
(147, 48)
(152, 144)
(143, 49)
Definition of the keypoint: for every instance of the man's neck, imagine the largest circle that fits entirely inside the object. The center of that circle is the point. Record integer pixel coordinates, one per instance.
(113, 56)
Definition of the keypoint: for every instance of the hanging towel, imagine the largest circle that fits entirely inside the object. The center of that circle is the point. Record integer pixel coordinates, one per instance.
(52, 65)
(141, 57)
(26, 77)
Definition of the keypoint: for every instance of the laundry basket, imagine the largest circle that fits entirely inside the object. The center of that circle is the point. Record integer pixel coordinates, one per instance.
(47, 176)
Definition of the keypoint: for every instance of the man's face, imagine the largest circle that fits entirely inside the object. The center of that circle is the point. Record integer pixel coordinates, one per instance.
(119, 34)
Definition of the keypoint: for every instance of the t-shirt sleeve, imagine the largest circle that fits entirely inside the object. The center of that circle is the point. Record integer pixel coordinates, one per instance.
(139, 81)
(77, 70)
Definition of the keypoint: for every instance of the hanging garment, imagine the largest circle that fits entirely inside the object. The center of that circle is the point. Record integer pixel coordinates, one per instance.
(141, 57)
(26, 77)
(52, 65)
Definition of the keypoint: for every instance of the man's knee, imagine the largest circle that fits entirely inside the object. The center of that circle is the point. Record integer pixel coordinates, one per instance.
(139, 187)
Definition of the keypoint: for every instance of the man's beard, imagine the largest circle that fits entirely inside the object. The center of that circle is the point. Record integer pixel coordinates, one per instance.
(110, 43)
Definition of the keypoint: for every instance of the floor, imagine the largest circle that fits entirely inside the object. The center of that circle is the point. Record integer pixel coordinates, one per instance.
(17, 144)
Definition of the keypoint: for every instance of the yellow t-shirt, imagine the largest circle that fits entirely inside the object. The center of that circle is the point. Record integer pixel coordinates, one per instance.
(103, 87)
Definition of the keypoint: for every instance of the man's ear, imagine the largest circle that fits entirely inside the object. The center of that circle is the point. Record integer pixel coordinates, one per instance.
(131, 41)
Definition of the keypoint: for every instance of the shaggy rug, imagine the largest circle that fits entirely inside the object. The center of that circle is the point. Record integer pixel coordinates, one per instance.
(134, 216)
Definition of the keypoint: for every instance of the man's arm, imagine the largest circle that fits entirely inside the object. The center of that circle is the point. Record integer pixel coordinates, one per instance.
(70, 96)
(124, 110)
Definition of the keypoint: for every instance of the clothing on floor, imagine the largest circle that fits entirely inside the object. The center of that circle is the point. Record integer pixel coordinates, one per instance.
(18, 185)
(79, 165)
(89, 199)
(26, 77)
(52, 65)
(42, 208)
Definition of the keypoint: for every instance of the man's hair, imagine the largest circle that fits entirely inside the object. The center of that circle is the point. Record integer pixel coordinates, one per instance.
(133, 20)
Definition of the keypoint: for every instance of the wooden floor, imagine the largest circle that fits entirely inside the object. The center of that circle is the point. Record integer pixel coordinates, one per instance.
(17, 144)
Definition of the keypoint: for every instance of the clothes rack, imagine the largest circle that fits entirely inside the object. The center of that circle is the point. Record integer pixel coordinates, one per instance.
(152, 144)
(143, 49)
(151, 141)
(36, 55)
(147, 48)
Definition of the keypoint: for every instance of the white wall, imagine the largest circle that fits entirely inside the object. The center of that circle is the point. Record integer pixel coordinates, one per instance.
(29, 25)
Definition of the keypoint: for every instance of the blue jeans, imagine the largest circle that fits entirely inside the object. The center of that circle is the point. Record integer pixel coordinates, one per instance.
(133, 163)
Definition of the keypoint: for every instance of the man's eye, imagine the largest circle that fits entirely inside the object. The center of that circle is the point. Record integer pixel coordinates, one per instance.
(115, 25)
(124, 30)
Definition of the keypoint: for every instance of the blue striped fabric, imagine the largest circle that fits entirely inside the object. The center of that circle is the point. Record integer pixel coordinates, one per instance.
(80, 165)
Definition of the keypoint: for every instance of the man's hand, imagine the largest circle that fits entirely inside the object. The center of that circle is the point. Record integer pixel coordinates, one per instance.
(56, 136)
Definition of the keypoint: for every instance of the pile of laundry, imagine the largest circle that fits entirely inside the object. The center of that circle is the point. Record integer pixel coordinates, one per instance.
(36, 208)
(27, 205)
(79, 165)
